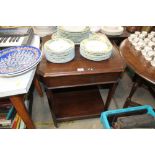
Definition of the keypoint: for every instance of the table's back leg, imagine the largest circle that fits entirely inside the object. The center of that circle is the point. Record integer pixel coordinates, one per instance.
(151, 90)
(49, 97)
(136, 84)
(18, 103)
(38, 86)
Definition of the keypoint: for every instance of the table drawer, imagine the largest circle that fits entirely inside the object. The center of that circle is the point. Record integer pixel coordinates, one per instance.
(80, 80)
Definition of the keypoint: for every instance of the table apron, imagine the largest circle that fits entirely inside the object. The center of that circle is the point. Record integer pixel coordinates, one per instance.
(80, 80)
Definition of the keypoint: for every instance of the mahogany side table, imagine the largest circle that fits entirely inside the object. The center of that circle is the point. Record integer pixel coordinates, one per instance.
(72, 88)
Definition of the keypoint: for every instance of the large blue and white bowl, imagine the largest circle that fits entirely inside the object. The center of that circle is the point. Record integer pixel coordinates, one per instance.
(18, 60)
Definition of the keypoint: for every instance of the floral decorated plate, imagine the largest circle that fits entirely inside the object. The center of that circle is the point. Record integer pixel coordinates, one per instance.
(96, 48)
(96, 44)
(17, 60)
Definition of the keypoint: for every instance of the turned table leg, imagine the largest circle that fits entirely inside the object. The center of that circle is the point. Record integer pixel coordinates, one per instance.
(18, 103)
(110, 95)
(135, 85)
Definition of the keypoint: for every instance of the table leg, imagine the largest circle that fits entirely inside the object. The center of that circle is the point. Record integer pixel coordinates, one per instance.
(18, 103)
(135, 85)
(37, 86)
(110, 95)
(151, 90)
(50, 102)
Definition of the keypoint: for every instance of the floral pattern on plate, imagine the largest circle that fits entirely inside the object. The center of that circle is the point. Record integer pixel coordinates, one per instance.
(18, 59)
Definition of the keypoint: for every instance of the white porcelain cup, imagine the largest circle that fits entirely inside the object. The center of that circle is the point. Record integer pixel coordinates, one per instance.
(153, 33)
(137, 33)
(130, 39)
(142, 36)
(140, 43)
(144, 33)
(133, 36)
(138, 48)
(153, 39)
(144, 52)
(151, 43)
(146, 40)
(147, 48)
(150, 36)
(148, 58)
(153, 63)
(135, 40)
(150, 53)
(134, 44)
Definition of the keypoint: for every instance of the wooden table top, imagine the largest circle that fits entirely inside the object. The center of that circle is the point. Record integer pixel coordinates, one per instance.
(80, 65)
(136, 61)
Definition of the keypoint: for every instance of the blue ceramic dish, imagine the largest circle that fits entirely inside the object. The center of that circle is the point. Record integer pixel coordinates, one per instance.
(16, 60)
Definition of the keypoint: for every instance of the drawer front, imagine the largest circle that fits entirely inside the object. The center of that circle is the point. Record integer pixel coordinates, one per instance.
(80, 80)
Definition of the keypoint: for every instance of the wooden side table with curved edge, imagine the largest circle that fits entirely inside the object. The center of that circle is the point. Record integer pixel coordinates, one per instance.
(144, 72)
(72, 88)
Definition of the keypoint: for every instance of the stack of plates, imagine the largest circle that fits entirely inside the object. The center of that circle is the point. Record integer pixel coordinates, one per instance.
(74, 33)
(18, 60)
(96, 48)
(112, 30)
(59, 50)
(43, 31)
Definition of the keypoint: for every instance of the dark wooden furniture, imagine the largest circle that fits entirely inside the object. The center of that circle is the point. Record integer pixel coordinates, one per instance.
(144, 72)
(132, 29)
(72, 88)
(119, 38)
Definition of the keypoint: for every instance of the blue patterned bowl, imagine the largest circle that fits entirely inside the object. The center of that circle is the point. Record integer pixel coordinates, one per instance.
(16, 60)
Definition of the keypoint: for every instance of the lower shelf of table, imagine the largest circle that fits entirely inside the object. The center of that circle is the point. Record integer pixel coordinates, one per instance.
(77, 103)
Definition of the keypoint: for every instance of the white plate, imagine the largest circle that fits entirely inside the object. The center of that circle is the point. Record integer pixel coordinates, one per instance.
(112, 30)
(59, 45)
(73, 29)
(96, 48)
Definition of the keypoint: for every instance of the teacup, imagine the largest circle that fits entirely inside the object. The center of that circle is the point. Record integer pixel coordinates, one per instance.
(133, 36)
(134, 44)
(146, 40)
(147, 48)
(135, 40)
(148, 58)
(137, 33)
(144, 52)
(130, 39)
(138, 48)
(150, 36)
(142, 36)
(144, 33)
(153, 39)
(151, 53)
(153, 63)
(150, 44)
(153, 33)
